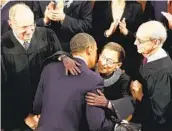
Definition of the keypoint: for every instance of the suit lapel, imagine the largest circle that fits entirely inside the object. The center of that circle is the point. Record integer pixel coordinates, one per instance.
(127, 11)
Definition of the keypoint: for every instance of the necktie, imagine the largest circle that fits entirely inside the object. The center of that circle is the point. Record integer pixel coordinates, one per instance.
(26, 45)
(145, 60)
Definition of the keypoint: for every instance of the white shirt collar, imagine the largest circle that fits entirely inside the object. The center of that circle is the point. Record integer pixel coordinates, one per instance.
(158, 55)
(20, 41)
(81, 58)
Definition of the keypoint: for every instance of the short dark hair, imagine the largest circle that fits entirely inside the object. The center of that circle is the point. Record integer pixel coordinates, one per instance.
(80, 42)
(116, 47)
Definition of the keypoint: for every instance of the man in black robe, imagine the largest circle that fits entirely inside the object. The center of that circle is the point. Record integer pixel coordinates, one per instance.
(153, 90)
(23, 50)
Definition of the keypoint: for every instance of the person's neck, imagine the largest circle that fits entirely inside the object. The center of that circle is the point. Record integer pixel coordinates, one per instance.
(151, 53)
(82, 56)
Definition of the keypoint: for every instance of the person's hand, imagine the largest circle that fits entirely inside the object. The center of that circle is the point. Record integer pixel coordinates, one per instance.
(96, 100)
(48, 13)
(57, 15)
(111, 30)
(32, 121)
(168, 16)
(136, 90)
(122, 27)
(71, 66)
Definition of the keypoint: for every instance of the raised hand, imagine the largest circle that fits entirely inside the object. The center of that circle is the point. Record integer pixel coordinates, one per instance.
(122, 27)
(112, 29)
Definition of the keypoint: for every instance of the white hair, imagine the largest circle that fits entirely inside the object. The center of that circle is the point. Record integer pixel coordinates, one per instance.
(19, 7)
(154, 30)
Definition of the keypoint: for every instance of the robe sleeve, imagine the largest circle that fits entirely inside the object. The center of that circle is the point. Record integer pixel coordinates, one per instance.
(159, 96)
(3, 73)
(37, 104)
(54, 43)
(125, 82)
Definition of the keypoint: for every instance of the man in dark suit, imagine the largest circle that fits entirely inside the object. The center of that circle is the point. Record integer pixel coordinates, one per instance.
(60, 98)
(65, 18)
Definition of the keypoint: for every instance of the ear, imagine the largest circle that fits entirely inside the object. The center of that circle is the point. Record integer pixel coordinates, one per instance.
(89, 50)
(156, 43)
(10, 23)
(119, 65)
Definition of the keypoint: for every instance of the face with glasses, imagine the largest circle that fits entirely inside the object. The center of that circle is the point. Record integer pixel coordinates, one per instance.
(23, 26)
(145, 46)
(108, 62)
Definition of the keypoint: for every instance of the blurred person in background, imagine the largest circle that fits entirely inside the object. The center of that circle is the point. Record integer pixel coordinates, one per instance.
(65, 18)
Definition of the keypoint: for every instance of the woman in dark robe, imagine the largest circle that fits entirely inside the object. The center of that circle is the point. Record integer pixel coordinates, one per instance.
(116, 82)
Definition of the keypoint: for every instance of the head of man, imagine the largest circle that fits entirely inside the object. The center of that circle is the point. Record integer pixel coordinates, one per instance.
(111, 58)
(150, 37)
(85, 46)
(21, 20)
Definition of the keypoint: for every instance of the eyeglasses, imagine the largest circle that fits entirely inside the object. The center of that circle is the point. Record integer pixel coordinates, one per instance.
(109, 61)
(139, 41)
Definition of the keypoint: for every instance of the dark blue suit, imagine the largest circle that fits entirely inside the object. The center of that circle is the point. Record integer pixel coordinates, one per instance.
(61, 100)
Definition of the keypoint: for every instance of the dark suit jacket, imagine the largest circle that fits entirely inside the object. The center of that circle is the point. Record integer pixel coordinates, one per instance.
(61, 100)
(78, 19)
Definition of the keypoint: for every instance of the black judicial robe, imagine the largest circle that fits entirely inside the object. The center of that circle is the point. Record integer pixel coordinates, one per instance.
(21, 71)
(155, 109)
(119, 89)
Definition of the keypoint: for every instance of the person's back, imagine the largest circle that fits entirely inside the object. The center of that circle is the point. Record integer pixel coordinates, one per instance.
(60, 99)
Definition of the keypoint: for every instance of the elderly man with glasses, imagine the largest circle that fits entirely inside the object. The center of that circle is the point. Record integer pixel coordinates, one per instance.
(23, 50)
(153, 89)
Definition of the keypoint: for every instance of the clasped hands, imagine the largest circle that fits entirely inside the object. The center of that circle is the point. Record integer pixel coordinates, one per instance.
(113, 26)
(54, 13)
(32, 121)
(136, 90)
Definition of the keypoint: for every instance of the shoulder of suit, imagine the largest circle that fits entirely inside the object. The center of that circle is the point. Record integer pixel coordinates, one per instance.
(51, 65)
(133, 3)
(93, 76)
(44, 29)
(6, 38)
(43, 32)
(125, 77)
